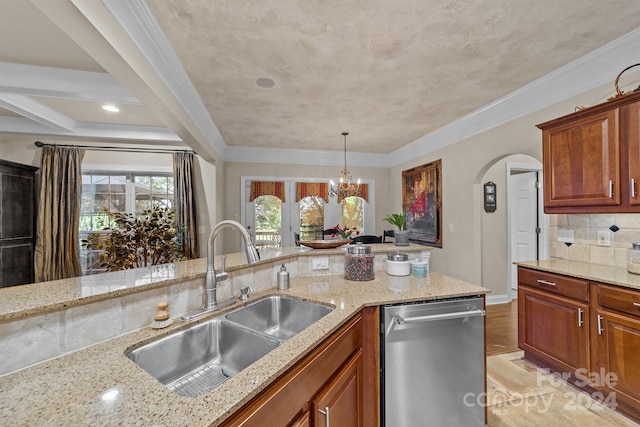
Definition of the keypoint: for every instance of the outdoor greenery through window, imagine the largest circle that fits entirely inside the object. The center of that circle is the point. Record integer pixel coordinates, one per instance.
(268, 221)
(311, 217)
(353, 213)
(122, 192)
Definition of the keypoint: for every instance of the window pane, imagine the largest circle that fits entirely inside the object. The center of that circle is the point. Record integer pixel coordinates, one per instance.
(268, 220)
(311, 217)
(353, 213)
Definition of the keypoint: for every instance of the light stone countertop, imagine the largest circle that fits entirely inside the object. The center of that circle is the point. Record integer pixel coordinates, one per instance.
(101, 386)
(39, 298)
(585, 270)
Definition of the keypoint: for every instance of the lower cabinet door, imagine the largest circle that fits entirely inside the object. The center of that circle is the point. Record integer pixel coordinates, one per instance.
(554, 328)
(340, 402)
(618, 348)
(303, 420)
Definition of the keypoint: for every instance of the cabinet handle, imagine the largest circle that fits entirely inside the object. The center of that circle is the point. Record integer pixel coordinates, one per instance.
(637, 304)
(610, 189)
(599, 325)
(580, 321)
(633, 188)
(326, 415)
(544, 282)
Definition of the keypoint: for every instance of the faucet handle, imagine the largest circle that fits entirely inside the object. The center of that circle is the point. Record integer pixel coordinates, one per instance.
(223, 263)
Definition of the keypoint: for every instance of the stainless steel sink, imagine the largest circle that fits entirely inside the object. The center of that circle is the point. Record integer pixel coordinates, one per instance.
(278, 316)
(196, 360)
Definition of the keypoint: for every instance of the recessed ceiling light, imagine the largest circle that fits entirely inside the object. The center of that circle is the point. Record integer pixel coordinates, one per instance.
(265, 82)
(111, 108)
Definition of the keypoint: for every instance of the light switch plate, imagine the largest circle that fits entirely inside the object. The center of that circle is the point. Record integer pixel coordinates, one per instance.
(603, 238)
(565, 235)
(320, 263)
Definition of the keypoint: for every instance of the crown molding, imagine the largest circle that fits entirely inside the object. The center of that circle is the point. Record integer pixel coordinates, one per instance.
(137, 21)
(588, 72)
(303, 157)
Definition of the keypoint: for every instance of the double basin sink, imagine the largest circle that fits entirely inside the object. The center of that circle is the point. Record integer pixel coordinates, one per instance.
(195, 360)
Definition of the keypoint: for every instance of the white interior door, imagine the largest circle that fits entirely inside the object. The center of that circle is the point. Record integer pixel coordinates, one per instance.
(524, 219)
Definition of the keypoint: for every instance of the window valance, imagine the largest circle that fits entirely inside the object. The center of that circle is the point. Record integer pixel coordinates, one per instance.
(267, 188)
(361, 190)
(304, 189)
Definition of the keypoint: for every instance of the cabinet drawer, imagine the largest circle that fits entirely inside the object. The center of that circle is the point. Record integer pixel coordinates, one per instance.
(624, 300)
(561, 285)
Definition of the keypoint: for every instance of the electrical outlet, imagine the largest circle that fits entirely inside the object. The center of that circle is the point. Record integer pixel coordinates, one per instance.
(565, 235)
(320, 263)
(603, 238)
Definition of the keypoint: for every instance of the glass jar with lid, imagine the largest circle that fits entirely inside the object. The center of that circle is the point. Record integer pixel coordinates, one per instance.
(358, 263)
(633, 258)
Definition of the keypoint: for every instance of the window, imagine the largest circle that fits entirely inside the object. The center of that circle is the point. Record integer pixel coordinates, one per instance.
(311, 209)
(268, 221)
(352, 213)
(123, 192)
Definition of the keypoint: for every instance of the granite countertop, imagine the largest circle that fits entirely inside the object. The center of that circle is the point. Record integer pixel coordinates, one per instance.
(101, 386)
(585, 270)
(38, 298)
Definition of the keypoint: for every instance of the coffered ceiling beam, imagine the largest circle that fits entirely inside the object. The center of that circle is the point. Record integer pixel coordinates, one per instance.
(62, 83)
(92, 131)
(36, 111)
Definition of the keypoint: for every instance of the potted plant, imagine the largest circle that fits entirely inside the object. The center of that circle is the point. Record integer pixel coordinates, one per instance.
(400, 235)
(131, 242)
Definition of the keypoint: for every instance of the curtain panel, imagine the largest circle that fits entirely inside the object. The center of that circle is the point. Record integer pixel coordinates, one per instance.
(267, 188)
(304, 189)
(57, 241)
(185, 200)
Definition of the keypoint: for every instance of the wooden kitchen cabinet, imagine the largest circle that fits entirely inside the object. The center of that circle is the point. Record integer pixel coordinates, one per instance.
(617, 347)
(17, 223)
(552, 327)
(340, 402)
(591, 159)
(330, 376)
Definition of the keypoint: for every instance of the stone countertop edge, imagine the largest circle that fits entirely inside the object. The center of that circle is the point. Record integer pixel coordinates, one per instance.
(38, 298)
(101, 386)
(585, 270)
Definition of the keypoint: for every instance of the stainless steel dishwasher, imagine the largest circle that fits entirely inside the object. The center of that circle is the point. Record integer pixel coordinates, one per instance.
(433, 363)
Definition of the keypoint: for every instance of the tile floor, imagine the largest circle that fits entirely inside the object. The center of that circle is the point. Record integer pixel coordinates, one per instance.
(521, 394)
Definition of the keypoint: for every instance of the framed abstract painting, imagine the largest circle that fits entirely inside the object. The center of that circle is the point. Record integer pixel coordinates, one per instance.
(422, 201)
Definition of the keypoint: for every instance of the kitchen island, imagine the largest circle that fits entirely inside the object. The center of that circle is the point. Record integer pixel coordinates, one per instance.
(99, 385)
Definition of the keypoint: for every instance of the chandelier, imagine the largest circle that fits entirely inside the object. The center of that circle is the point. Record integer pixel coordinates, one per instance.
(345, 187)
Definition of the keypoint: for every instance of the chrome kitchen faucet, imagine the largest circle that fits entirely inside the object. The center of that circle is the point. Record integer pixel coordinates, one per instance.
(209, 297)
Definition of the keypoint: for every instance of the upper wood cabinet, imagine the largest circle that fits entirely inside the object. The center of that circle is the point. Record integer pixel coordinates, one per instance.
(591, 159)
(17, 223)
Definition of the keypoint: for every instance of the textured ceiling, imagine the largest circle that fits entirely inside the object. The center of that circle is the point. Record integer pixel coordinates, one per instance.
(387, 72)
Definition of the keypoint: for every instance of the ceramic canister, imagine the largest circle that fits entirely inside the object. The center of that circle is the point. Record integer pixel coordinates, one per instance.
(398, 264)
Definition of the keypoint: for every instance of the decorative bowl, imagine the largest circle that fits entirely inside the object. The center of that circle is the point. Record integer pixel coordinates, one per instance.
(324, 244)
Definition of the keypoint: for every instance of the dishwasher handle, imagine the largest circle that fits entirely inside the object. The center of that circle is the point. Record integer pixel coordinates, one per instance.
(444, 316)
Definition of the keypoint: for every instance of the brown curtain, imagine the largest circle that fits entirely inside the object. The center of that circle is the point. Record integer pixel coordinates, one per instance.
(57, 242)
(184, 193)
(267, 188)
(304, 189)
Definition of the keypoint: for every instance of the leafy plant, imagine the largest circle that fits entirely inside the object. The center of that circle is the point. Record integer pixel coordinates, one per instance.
(397, 219)
(148, 239)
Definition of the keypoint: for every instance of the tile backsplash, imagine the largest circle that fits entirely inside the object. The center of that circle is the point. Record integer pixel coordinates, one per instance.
(585, 243)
